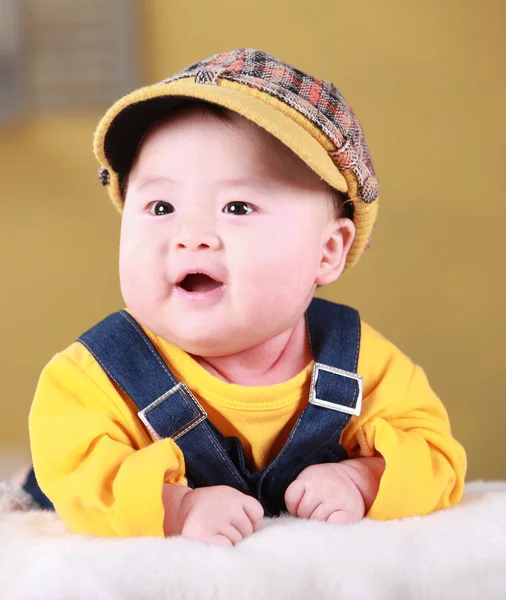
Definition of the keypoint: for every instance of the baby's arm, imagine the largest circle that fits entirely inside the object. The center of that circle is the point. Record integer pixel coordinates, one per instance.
(92, 457)
(403, 421)
(336, 492)
(219, 515)
(106, 477)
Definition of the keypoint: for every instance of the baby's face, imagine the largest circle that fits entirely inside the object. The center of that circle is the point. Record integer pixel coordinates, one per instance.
(222, 234)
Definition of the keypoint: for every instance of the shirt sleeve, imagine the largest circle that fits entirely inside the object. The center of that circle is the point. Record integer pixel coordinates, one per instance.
(404, 421)
(98, 466)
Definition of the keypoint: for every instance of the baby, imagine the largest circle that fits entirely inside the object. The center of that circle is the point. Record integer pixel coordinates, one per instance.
(225, 391)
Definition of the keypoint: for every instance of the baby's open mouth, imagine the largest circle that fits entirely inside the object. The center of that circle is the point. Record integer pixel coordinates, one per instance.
(198, 282)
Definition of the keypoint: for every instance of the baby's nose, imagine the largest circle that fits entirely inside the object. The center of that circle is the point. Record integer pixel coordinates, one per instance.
(196, 237)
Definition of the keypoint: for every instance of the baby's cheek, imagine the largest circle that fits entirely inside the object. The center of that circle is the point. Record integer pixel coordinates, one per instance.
(128, 263)
(128, 289)
(136, 278)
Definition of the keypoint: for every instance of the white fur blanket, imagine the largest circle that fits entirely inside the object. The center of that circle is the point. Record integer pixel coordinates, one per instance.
(459, 553)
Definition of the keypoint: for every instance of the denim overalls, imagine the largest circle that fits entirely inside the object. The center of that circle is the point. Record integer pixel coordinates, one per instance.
(168, 408)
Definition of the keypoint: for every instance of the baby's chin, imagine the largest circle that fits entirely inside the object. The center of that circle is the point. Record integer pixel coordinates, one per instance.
(215, 337)
(208, 347)
(199, 341)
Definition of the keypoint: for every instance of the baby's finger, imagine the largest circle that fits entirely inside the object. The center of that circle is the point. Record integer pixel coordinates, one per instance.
(254, 511)
(342, 517)
(322, 511)
(231, 532)
(243, 524)
(293, 496)
(307, 505)
(218, 539)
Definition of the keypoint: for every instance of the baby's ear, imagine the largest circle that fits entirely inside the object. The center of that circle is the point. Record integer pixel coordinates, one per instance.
(337, 242)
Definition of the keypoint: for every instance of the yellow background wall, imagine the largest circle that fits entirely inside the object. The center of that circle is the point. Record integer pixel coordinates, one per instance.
(427, 81)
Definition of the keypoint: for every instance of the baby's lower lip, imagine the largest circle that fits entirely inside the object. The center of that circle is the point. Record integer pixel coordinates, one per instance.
(196, 296)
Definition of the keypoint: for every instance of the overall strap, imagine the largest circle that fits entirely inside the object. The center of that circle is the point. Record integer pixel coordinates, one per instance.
(335, 395)
(166, 407)
(334, 334)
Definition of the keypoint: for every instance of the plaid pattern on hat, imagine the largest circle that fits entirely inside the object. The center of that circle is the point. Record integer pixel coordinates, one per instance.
(318, 100)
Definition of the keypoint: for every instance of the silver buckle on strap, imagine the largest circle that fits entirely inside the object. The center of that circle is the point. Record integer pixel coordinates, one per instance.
(202, 416)
(332, 405)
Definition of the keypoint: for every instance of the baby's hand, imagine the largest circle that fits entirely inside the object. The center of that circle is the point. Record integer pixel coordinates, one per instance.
(219, 515)
(326, 492)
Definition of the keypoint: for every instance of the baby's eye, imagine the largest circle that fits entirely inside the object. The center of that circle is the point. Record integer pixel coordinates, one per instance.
(238, 208)
(160, 208)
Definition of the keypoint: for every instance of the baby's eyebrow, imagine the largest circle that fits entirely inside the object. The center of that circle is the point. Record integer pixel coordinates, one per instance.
(257, 183)
(150, 180)
(261, 184)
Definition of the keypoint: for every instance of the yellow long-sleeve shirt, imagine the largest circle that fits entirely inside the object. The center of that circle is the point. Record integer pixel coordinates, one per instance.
(104, 473)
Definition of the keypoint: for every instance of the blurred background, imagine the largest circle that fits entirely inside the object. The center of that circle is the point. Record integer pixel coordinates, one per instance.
(427, 80)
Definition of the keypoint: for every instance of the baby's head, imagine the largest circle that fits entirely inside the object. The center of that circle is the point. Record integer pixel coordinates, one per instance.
(230, 222)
